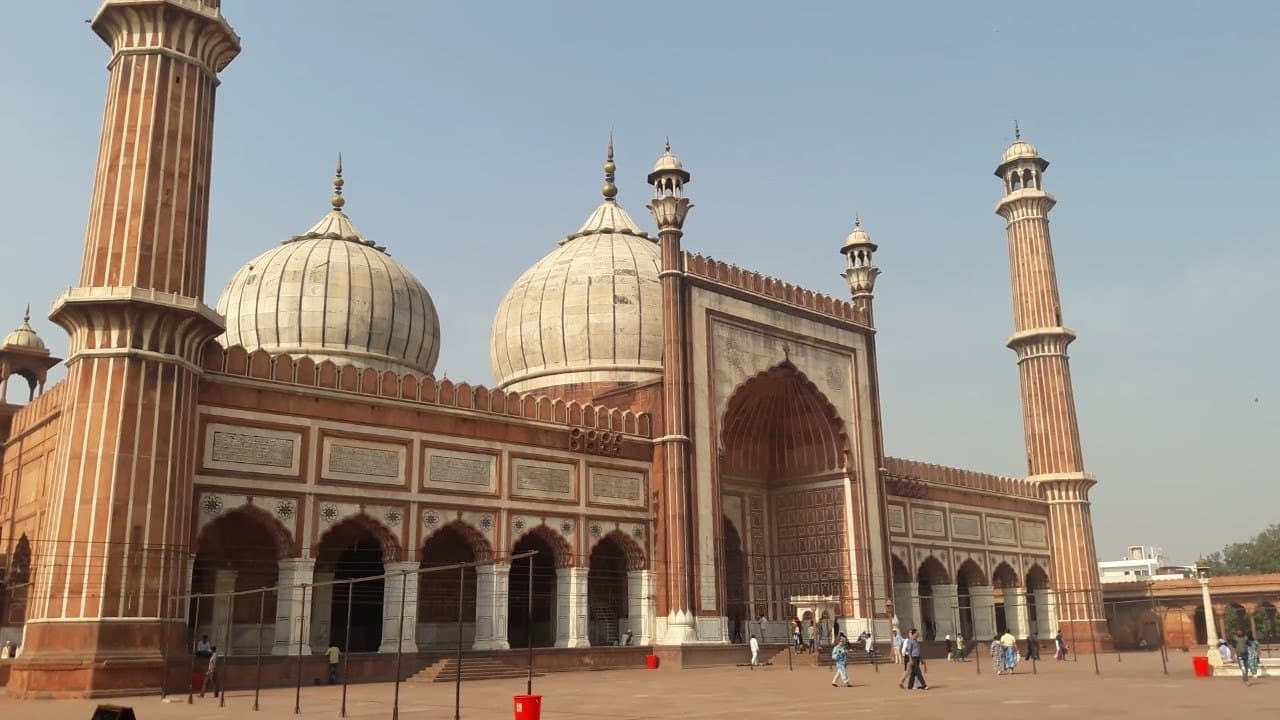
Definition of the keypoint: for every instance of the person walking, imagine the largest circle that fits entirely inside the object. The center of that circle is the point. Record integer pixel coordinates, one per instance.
(960, 648)
(1255, 652)
(951, 649)
(755, 650)
(813, 637)
(1242, 654)
(333, 654)
(1010, 644)
(869, 643)
(997, 655)
(897, 647)
(212, 674)
(911, 651)
(764, 623)
(1033, 647)
(840, 654)
(1059, 647)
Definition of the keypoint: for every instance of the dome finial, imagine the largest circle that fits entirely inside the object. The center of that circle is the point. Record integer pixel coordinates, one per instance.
(337, 200)
(668, 145)
(1017, 131)
(26, 315)
(610, 191)
(857, 220)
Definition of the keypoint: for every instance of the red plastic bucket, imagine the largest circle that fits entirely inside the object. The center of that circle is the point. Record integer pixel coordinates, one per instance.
(528, 707)
(1201, 666)
(651, 662)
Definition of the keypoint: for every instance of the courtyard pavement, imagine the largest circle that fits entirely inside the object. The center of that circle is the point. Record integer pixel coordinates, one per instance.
(1134, 687)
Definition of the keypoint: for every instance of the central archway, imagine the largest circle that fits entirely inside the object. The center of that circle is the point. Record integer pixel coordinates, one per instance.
(448, 597)
(930, 574)
(239, 550)
(735, 582)
(782, 446)
(531, 597)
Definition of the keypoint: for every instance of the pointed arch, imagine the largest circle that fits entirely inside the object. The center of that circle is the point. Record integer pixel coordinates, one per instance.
(779, 420)
(475, 539)
(631, 550)
(360, 523)
(932, 572)
(900, 572)
(560, 548)
(1004, 576)
(969, 574)
(211, 536)
(1037, 578)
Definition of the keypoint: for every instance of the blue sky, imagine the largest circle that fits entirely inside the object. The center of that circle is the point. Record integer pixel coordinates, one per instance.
(473, 135)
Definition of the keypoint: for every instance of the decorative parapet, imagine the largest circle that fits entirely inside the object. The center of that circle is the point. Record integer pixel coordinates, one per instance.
(38, 411)
(303, 371)
(909, 478)
(773, 288)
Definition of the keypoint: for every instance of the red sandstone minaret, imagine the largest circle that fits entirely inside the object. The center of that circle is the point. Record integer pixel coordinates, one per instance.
(670, 207)
(1054, 460)
(114, 548)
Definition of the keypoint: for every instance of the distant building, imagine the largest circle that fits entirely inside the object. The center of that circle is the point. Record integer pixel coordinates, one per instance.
(1142, 562)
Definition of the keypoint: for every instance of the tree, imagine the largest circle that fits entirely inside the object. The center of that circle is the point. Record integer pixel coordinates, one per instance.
(1257, 555)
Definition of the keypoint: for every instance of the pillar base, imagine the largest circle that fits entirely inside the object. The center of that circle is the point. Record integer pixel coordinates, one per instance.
(92, 659)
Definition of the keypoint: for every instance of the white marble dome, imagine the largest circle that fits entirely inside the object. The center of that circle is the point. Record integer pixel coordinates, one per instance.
(332, 294)
(589, 312)
(24, 337)
(1018, 150)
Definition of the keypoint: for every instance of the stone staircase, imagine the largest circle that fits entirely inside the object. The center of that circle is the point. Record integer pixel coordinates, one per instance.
(474, 668)
(823, 657)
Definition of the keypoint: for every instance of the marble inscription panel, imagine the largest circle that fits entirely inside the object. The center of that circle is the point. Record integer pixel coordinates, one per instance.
(361, 461)
(615, 487)
(460, 471)
(926, 522)
(1032, 533)
(537, 479)
(897, 519)
(250, 449)
(1000, 530)
(966, 526)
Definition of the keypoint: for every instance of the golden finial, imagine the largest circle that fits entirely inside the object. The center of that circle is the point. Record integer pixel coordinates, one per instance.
(337, 199)
(26, 315)
(1017, 131)
(610, 191)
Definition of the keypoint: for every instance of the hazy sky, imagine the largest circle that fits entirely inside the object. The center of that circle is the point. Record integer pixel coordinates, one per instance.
(473, 135)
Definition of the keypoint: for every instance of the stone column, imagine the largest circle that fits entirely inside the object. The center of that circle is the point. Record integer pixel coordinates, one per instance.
(907, 607)
(492, 582)
(321, 612)
(291, 612)
(640, 606)
(571, 607)
(944, 610)
(399, 630)
(1015, 612)
(224, 581)
(983, 606)
(1047, 612)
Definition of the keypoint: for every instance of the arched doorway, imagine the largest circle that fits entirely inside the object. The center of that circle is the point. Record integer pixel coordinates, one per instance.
(930, 574)
(354, 548)
(447, 597)
(735, 582)
(1202, 633)
(1234, 618)
(17, 583)
(531, 611)
(968, 577)
(1004, 584)
(1037, 585)
(608, 602)
(240, 550)
(782, 446)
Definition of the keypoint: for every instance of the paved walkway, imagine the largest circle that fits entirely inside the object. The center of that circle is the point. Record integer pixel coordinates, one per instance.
(1134, 688)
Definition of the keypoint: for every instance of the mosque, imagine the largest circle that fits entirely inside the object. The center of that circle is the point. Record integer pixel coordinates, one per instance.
(688, 445)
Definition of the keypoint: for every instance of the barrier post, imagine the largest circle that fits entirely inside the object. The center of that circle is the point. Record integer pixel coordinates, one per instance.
(217, 676)
(346, 652)
(404, 586)
(195, 628)
(302, 629)
(457, 682)
(257, 683)
(529, 628)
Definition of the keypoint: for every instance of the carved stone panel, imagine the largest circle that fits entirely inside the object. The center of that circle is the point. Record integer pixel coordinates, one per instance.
(966, 527)
(457, 471)
(927, 521)
(616, 487)
(543, 480)
(242, 448)
(1032, 533)
(897, 519)
(361, 461)
(1000, 531)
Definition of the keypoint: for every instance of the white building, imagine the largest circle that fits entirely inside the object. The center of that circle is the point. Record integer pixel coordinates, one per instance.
(1142, 562)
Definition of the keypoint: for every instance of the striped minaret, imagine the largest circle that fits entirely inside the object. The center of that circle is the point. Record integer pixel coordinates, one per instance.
(670, 207)
(115, 546)
(1054, 460)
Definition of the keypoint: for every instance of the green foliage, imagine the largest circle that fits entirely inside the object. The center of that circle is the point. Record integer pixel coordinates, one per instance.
(1257, 555)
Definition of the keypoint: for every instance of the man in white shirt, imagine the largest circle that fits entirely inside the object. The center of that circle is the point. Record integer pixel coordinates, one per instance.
(755, 650)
